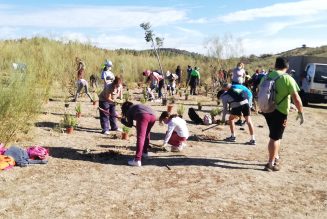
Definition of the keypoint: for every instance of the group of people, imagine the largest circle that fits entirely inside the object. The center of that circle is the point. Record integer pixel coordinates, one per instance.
(156, 81)
(236, 98)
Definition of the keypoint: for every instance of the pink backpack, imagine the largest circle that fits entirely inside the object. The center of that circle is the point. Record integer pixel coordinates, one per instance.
(37, 153)
(2, 149)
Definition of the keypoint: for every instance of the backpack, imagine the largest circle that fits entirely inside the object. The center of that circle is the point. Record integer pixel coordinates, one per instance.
(267, 94)
(37, 153)
(194, 116)
(6, 162)
(2, 149)
(207, 120)
(237, 96)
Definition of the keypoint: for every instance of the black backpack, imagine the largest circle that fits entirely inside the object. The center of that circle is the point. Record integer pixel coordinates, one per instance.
(238, 97)
(194, 116)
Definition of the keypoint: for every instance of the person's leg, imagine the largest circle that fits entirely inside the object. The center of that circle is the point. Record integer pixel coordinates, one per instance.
(277, 123)
(250, 124)
(79, 89)
(273, 148)
(231, 120)
(104, 118)
(86, 86)
(151, 121)
(175, 140)
(246, 111)
(141, 134)
(112, 117)
(161, 84)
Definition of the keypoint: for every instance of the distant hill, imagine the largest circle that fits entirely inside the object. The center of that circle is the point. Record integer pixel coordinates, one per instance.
(163, 51)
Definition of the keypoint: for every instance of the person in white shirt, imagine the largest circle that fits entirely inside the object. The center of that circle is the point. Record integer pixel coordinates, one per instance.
(107, 76)
(238, 76)
(177, 132)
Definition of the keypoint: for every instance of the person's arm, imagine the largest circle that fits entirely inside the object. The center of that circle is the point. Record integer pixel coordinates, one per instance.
(110, 97)
(127, 121)
(298, 103)
(171, 127)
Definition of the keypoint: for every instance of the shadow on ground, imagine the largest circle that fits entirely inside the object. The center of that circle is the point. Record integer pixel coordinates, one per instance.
(168, 160)
(46, 124)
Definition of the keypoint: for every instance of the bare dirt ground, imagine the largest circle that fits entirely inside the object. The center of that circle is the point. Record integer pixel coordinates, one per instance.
(87, 175)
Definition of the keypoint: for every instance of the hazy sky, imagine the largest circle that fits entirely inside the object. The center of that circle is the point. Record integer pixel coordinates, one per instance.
(265, 26)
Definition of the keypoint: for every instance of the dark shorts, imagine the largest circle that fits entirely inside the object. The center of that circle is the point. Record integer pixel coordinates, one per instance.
(238, 111)
(276, 122)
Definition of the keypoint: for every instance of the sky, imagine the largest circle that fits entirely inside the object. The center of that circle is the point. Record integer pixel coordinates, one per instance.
(261, 27)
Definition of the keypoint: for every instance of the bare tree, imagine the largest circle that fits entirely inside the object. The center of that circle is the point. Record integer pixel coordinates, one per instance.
(156, 42)
(222, 51)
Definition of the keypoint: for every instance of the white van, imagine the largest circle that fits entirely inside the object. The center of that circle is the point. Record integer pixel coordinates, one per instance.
(311, 75)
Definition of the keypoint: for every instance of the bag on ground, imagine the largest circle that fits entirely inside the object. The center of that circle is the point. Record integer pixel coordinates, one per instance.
(37, 153)
(6, 162)
(194, 116)
(207, 120)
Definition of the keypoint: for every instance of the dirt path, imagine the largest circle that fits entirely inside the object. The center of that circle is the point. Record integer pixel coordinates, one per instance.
(87, 175)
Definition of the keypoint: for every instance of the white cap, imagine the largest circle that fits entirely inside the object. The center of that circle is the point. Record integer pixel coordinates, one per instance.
(108, 63)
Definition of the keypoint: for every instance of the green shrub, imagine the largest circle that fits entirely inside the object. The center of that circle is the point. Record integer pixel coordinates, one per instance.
(126, 129)
(69, 121)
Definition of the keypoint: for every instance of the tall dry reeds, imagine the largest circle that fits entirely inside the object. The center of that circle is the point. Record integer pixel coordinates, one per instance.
(49, 63)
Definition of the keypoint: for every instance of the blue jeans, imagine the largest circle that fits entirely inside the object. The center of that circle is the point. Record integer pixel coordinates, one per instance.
(108, 120)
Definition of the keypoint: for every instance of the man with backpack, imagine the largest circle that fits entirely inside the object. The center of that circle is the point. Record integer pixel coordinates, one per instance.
(274, 94)
(239, 104)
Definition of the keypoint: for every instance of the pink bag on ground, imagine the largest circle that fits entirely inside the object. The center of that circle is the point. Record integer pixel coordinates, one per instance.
(2, 149)
(37, 153)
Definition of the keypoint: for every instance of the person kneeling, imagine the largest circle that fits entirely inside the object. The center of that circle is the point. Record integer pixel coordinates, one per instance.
(177, 132)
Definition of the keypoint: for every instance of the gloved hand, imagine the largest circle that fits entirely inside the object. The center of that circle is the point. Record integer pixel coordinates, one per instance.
(301, 117)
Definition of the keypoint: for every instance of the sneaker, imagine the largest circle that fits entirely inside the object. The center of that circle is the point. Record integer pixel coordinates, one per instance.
(105, 132)
(135, 163)
(277, 161)
(176, 149)
(251, 142)
(117, 130)
(145, 155)
(183, 145)
(239, 122)
(230, 139)
(271, 168)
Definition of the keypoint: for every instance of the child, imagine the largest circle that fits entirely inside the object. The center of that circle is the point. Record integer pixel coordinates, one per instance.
(177, 132)
(145, 119)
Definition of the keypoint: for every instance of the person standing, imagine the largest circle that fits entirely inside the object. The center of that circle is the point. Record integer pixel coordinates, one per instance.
(238, 75)
(194, 80)
(189, 71)
(239, 105)
(107, 76)
(107, 106)
(286, 87)
(178, 72)
(177, 132)
(145, 119)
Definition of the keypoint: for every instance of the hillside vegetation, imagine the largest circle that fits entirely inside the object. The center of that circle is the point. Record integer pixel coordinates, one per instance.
(50, 71)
